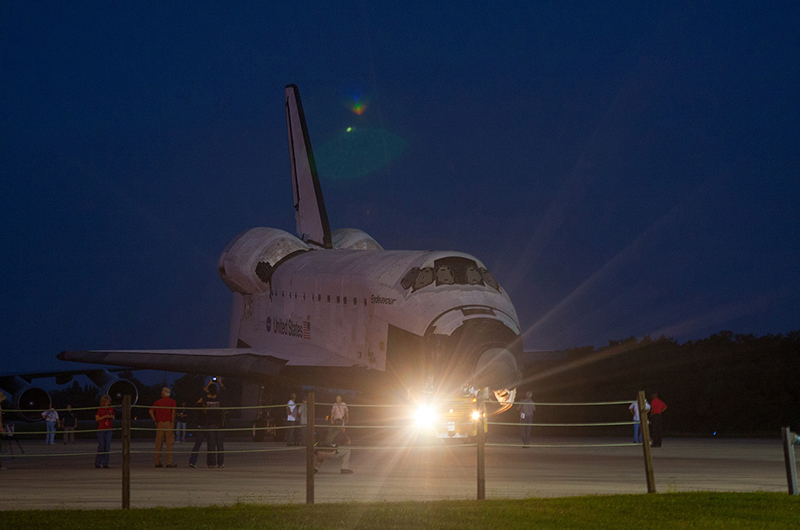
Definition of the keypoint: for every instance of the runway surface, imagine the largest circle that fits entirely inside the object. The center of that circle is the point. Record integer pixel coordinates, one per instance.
(386, 474)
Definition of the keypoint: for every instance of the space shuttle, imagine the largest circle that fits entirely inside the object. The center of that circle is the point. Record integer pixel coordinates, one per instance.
(335, 309)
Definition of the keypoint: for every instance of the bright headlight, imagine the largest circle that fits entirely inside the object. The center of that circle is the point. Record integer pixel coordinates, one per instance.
(424, 416)
(476, 415)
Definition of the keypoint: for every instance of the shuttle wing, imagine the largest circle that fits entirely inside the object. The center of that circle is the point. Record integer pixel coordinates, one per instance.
(309, 208)
(236, 362)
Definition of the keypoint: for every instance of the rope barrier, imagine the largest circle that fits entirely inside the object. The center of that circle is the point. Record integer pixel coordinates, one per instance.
(303, 426)
(628, 444)
(367, 406)
(95, 407)
(402, 424)
(348, 426)
(410, 446)
(249, 407)
(616, 423)
(93, 453)
(214, 429)
(353, 405)
(74, 409)
(562, 404)
(261, 407)
(225, 451)
(565, 446)
(249, 451)
(494, 402)
(61, 431)
(380, 447)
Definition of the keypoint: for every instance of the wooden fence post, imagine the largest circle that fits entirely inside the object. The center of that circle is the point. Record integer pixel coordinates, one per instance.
(311, 415)
(481, 449)
(788, 456)
(645, 432)
(126, 452)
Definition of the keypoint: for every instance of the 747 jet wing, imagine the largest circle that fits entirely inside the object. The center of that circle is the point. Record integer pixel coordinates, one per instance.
(236, 362)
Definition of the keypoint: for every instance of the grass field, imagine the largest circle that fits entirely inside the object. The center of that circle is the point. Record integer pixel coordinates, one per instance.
(729, 511)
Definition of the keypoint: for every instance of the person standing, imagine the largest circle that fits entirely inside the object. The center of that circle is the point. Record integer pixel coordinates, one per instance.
(291, 420)
(637, 427)
(9, 429)
(335, 446)
(51, 420)
(69, 421)
(340, 415)
(656, 426)
(105, 421)
(526, 409)
(163, 414)
(216, 381)
(196, 420)
(180, 423)
(212, 421)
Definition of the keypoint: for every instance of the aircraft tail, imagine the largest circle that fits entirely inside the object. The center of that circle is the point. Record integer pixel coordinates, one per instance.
(309, 207)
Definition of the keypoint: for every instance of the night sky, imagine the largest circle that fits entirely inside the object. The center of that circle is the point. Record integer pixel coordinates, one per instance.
(622, 170)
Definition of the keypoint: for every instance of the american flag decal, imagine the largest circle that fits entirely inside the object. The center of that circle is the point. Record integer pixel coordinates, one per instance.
(307, 330)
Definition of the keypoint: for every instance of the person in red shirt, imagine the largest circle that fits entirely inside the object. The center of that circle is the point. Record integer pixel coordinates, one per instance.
(105, 421)
(163, 414)
(656, 427)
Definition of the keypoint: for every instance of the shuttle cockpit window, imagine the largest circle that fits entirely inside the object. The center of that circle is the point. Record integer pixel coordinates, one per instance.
(444, 276)
(488, 279)
(449, 271)
(410, 277)
(424, 278)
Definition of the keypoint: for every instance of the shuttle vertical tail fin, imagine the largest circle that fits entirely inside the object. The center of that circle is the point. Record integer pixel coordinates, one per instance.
(309, 207)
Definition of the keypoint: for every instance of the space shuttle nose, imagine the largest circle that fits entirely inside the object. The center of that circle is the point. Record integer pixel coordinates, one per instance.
(497, 369)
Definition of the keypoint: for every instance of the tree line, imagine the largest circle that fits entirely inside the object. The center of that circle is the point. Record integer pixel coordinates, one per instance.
(728, 384)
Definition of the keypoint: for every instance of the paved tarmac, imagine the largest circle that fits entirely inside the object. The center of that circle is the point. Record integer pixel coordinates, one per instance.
(277, 475)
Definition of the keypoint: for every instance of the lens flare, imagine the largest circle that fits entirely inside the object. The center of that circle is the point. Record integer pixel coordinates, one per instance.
(358, 108)
(357, 152)
(425, 417)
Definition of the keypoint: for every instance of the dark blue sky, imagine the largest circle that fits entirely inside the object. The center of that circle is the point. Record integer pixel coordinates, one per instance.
(622, 170)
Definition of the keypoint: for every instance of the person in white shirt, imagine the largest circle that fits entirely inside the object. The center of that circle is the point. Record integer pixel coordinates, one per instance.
(51, 420)
(637, 426)
(339, 413)
(291, 421)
